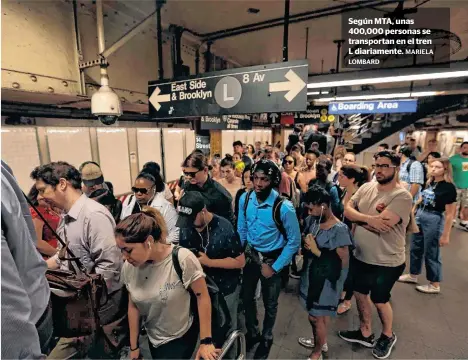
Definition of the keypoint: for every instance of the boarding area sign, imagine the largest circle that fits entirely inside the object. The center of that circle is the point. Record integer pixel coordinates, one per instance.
(373, 107)
(278, 87)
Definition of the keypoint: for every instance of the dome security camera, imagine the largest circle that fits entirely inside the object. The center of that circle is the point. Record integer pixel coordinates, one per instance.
(105, 104)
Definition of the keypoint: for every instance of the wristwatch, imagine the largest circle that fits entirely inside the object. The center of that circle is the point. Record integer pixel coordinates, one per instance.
(206, 341)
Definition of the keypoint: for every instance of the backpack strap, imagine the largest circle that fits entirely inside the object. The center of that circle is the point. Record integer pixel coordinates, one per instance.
(277, 215)
(246, 202)
(175, 261)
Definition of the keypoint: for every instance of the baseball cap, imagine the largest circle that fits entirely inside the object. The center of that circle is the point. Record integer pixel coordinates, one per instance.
(190, 204)
(91, 175)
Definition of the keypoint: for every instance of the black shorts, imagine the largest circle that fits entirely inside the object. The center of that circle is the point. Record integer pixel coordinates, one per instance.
(375, 279)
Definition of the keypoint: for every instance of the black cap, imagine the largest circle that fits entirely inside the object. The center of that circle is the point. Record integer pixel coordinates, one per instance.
(190, 204)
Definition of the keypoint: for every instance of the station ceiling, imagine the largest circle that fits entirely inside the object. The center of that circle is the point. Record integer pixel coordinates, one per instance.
(265, 46)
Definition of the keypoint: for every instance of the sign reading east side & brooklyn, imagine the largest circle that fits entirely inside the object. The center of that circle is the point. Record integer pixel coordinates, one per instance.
(226, 122)
(278, 87)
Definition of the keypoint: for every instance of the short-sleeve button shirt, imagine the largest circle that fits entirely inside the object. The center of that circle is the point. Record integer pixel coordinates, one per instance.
(218, 240)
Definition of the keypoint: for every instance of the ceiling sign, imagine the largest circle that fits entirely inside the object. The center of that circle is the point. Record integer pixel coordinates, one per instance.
(226, 122)
(267, 88)
(373, 107)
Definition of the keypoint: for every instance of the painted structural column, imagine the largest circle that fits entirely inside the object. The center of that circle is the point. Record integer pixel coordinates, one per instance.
(216, 142)
(132, 139)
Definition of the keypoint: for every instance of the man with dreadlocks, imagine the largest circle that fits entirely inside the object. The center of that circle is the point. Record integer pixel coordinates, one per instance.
(268, 225)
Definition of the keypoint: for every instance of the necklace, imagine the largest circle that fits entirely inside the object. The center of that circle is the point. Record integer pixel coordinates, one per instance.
(207, 239)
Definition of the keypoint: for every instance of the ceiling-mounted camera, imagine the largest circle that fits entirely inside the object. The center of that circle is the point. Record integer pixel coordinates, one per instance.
(105, 104)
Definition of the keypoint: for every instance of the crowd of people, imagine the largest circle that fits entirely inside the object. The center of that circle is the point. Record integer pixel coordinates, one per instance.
(187, 268)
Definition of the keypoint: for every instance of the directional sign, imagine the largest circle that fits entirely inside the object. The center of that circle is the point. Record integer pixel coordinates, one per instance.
(226, 122)
(278, 87)
(373, 107)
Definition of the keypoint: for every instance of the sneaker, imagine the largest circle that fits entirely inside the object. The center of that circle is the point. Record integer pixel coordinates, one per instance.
(407, 278)
(428, 289)
(355, 336)
(383, 347)
(263, 349)
(309, 343)
(294, 276)
(250, 341)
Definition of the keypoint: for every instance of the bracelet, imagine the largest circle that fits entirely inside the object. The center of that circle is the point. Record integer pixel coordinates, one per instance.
(138, 347)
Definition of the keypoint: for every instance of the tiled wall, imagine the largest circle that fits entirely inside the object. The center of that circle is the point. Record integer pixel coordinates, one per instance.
(114, 150)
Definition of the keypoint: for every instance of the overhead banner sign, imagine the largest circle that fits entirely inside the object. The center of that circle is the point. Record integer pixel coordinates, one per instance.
(267, 88)
(226, 122)
(373, 107)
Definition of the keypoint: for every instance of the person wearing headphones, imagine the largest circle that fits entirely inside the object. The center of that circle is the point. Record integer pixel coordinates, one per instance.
(145, 192)
(271, 244)
(328, 240)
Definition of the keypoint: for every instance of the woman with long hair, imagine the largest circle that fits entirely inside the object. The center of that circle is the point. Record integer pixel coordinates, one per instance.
(328, 241)
(434, 216)
(350, 178)
(145, 193)
(250, 151)
(158, 295)
(289, 166)
(46, 240)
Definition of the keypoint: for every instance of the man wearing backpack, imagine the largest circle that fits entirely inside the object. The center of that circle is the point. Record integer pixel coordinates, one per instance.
(268, 225)
(411, 172)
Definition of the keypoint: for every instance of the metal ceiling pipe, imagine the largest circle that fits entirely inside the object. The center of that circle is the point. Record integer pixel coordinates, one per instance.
(101, 41)
(309, 15)
(81, 79)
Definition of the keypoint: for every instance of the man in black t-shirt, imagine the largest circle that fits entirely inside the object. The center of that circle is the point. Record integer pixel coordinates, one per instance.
(216, 244)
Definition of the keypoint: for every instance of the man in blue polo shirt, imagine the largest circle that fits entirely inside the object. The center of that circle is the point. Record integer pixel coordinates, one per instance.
(269, 250)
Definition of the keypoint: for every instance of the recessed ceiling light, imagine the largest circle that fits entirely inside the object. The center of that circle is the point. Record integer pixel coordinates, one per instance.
(253, 10)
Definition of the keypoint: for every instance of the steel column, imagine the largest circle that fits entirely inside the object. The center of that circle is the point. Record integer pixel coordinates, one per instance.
(286, 30)
(208, 56)
(159, 5)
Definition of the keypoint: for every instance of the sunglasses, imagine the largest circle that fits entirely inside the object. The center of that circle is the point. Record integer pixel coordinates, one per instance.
(191, 174)
(143, 191)
(288, 162)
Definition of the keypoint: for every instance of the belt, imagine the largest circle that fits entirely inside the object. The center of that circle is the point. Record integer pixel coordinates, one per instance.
(435, 212)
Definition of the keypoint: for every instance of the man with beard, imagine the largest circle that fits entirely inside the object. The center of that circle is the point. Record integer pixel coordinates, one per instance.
(381, 211)
(269, 250)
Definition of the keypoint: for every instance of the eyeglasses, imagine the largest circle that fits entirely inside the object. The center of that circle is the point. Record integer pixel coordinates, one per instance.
(288, 162)
(191, 173)
(384, 166)
(143, 191)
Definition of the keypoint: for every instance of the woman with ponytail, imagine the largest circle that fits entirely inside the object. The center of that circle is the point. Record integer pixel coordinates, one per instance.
(145, 193)
(158, 294)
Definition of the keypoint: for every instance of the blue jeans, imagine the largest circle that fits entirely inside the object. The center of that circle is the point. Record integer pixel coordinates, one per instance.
(425, 244)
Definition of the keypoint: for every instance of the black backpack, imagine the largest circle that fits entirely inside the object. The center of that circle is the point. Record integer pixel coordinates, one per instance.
(220, 317)
(408, 168)
(276, 212)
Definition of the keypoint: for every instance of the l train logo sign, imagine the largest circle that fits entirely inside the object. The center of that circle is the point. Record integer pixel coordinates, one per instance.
(267, 88)
(373, 107)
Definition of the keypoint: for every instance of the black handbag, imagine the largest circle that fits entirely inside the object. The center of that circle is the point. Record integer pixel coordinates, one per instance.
(76, 296)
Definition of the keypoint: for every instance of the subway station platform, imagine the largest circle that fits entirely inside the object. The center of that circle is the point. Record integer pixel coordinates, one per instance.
(427, 326)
